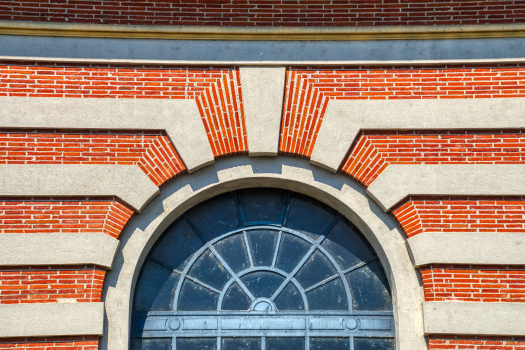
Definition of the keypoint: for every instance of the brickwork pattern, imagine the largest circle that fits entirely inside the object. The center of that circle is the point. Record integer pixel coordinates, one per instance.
(443, 342)
(37, 215)
(474, 283)
(50, 343)
(461, 214)
(287, 13)
(151, 151)
(217, 91)
(51, 284)
(309, 90)
(373, 151)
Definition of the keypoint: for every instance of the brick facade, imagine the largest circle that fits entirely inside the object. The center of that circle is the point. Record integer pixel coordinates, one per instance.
(475, 343)
(50, 343)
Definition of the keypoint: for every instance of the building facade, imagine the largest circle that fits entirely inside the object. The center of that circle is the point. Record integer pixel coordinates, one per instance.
(262, 174)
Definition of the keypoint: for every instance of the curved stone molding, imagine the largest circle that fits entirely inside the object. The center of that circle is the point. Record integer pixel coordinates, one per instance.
(51, 319)
(401, 180)
(228, 174)
(485, 248)
(127, 182)
(263, 94)
(442, 317)
(345, 118)
(180, 118)
(56, 248)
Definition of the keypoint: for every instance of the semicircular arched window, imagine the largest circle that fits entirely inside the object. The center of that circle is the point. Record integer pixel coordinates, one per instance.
(262, 269)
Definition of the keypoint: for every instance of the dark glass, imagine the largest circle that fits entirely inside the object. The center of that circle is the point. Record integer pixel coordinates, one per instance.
(209, 270)
(216, 216)
(326, 343)
(235, 299)
(241, 343)
(151, 344)
(289, 299)
(369, 288)
(176, 245)
(285, 343)
(309, 216)
(291, 251)
(233, 251)
(262, 246)
(262, 284)
(330, 296)
(374, 344)
(194, 297)
(262, 204)
(347, 246)
(196, 343)
(156, 287)
(316, 269)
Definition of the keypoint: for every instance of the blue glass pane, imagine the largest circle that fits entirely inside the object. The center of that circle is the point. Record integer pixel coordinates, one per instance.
(347, 246)
(176, 245)
(235, 299)
(155, 288)
(262, 246)
(262, 204)
(291, 251)
(374, 344)
(289, 299)
(316, 269)
(326, 343)
(233, 251)
(194, 297)
(209, 270)
(330, 296)
(308, 215)
(369, 288)
(196, 343)
(151, 344)
(241, 343)
(262, 284)
(216, 216)
(285, 343)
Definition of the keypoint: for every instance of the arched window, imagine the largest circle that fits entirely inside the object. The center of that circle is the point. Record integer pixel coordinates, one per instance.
(262, 269)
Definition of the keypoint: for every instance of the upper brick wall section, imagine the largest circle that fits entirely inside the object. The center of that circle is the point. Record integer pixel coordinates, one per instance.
(285, 13)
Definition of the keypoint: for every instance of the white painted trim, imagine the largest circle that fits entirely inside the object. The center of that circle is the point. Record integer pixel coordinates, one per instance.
(474, 318)
(338, 191)
(472, 248)
(180, 118)
(57, 248)
(398, 181)
(51, 319)
(263, 95)
(128, 182)
(345, 118)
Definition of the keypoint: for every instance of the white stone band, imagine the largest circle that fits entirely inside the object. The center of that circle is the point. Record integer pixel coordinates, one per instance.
(51, 319)
(56, 248)
(464, 318)
(473, 248)
(345, 118)
(401, 180)
(127, 182)
(180, 118)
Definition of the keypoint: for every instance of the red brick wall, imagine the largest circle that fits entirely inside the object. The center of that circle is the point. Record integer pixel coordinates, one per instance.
(217, 91)
(461, 214)
(442, 342)
(474, 283)
(309, 90)
(267, 13)
(50, 343)
(152, 151)
(51, 284)
(37, 215)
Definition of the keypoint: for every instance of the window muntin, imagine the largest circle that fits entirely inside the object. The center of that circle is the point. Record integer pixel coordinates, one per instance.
(262, 269)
